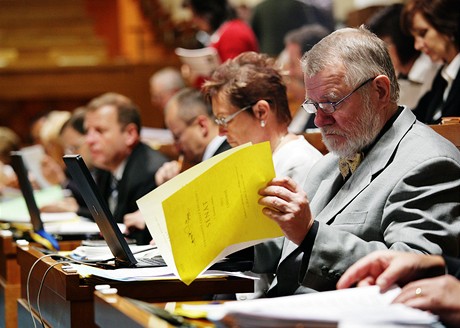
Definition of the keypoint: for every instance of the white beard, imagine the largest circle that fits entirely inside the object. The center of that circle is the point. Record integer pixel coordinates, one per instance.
(360, 134)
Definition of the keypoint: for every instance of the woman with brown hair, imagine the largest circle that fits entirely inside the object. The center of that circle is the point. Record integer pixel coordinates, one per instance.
(249, 101)
(435, 26)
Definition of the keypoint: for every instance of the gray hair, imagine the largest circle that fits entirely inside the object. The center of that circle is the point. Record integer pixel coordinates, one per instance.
(191, 103)
(362, 54)
(170, 77)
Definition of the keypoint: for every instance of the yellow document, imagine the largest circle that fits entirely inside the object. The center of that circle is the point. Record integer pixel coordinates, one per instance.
(211, 210)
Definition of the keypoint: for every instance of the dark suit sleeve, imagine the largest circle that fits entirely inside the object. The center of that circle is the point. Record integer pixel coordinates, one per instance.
(307, 246)
(453, 266)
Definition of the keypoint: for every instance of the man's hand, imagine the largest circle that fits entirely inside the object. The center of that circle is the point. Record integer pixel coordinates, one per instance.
(134, 221)
(438, 295)
(167, 171)
(385, 268)
(286, 203)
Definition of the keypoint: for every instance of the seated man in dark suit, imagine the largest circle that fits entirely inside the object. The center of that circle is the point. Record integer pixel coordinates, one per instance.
(125, 166)
(388, 181)
(196, 136)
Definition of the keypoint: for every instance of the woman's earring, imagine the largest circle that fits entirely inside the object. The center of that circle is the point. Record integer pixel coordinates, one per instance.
(262, 123)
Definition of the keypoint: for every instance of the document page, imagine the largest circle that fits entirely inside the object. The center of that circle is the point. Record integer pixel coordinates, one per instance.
(33, 156)
(15, 210)
(211, 210)
(365, 305)
(201, 62)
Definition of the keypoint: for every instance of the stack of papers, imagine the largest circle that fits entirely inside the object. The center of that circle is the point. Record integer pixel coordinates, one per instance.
(143, 274)
(363, 307)
(211, 210)
(103, 253)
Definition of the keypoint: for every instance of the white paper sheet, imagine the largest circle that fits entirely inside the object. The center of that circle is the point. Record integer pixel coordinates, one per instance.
(355, 305)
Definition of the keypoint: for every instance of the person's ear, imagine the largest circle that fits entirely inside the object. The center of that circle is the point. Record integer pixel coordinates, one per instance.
(131, 134)
(261, 110)
(203, 123)
(382, 85)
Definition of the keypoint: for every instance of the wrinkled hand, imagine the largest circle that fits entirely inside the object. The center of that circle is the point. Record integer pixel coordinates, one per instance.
(438, 295)
(385, 268)
(286, 203)
(167, 171)
(134, 221)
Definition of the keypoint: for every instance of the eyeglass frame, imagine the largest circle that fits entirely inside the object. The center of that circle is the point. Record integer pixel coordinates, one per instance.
(223, 121)
(332, 104)
(188, 124)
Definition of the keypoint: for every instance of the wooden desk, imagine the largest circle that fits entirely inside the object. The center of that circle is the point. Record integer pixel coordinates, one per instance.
(10, 282)
(449, 131)
(116, 311)
(67, 301)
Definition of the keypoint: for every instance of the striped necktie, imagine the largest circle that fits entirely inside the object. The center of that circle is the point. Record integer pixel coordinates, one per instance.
(113, 196)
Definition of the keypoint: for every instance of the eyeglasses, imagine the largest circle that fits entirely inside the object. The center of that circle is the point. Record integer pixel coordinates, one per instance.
(178, 135)
(328, 107)
(76, 147)
(223, 121)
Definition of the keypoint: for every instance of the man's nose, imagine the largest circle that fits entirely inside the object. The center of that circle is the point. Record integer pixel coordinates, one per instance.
(322, 119)
(222, 131)
(90, 137)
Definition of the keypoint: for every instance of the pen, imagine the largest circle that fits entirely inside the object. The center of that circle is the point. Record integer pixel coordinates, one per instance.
(180, 161)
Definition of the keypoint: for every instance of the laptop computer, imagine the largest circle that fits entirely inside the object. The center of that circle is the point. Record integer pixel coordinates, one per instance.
(38, 234)
(123, 256)
(110, 231)
(50, 227)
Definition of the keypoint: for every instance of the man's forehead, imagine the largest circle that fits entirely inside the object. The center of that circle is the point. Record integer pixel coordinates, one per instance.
(324, 78)
(108, 112)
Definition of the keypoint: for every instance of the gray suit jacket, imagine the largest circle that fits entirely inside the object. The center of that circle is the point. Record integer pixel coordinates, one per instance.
(405, 195)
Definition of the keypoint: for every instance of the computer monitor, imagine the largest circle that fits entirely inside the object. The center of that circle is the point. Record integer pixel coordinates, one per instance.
(100, 211)
(38, 234)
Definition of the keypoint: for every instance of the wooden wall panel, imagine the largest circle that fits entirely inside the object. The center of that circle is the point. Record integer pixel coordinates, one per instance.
(26, 94)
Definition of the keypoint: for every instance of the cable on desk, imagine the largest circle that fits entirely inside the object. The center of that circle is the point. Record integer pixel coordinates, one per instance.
(40, 290)
(65, 259)
(28, 283)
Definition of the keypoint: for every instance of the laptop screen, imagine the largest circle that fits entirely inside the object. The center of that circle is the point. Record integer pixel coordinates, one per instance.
(99, 210)
(26, 188)
(38, 234)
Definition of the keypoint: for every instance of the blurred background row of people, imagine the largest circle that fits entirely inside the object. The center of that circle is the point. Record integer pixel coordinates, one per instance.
(422, 37)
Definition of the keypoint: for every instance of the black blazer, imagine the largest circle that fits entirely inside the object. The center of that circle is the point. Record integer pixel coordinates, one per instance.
(138, 179)
(429, 102)
(453, 266)
(223, 147)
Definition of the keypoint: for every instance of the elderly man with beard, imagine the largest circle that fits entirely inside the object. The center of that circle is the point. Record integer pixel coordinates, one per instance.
(389, 181)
